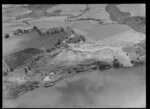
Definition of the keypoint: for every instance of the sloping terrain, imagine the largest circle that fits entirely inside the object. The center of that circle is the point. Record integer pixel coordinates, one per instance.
(98, 61)
(67, 62)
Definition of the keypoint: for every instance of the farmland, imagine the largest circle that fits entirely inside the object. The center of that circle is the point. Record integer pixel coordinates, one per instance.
(96, 60)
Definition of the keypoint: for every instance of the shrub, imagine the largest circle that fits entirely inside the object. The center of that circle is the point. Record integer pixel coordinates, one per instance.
(57, 11)
(52, 31)
(7, 36)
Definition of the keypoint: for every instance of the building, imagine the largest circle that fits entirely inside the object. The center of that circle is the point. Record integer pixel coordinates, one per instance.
(22, 30)
(17, 31)
(30, 29)
(43, 31)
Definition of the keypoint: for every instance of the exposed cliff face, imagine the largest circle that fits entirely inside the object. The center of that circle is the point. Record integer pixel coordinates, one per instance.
(50, 68)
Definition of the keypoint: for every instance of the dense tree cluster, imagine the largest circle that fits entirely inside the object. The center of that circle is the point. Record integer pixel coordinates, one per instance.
(76, 39)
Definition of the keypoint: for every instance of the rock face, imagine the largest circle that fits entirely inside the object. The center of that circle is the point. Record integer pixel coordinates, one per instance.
(50, 68)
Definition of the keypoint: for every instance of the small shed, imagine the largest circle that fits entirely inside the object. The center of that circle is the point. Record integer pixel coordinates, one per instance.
(43, 31)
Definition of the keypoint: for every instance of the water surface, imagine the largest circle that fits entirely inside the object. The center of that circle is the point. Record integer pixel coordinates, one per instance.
(117, 88)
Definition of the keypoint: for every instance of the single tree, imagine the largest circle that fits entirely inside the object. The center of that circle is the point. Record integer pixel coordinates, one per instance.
(35, 28)
(25, 70)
